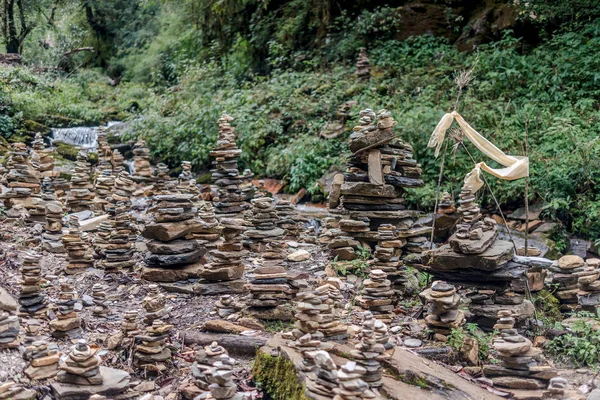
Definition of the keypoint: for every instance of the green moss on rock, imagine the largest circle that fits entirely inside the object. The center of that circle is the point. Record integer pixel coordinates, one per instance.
(277, 376)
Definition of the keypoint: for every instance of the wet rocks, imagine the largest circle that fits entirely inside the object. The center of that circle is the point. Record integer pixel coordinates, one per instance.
(443, 314)
(31, 297)
(232, 195)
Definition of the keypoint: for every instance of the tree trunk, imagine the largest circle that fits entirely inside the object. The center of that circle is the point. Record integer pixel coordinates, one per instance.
(12, 39)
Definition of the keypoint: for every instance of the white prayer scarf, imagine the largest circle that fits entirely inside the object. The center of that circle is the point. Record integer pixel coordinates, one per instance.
(516, 166)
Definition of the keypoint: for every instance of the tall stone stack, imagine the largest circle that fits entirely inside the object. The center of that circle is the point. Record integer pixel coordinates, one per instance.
(142, 169)
(171, 255)
(386, 257)
(220, 377)
(325, 380)
(315, 313)
(101, 308)
(230, 199)
(377, 296)
(351, 383)
(118, 162)
(363, 66)
(569, 271)
(53, 211)
(105, 182)
(46, 158)
(163, 182)
(151, 354)
(210, 235)
(78, 250)
(104, 151)
(186, 173)
(119, 249)
(225, 270)
(67, 322)
(289, 220)
(443, 314)
(475, 259)
(23, 181)
(204, 359)
(370, 354)
(31, 297)
(370, 193)
(521, 364)
(263, 218)
(81, 194)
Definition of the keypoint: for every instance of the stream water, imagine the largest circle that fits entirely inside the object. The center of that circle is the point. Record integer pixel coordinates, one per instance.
(85, 137)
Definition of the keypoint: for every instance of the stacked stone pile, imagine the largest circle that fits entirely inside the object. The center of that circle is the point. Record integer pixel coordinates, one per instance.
(23, 180)
(220, 377)
(164, 184)
(104, 151)
(67, 322)
(9, 331)
(210, 235)
(43, 359)
(101, 307)
(105, 184)
(371, 192)
(203, 362)
(263, 218)
(118, 162)
(369, 354)
(141, 162)
(325, 379)
(230, 198)
(53, 211)
(569, 271)
(46, 158)
(363, 66)
(351, 384)
(308, 345)
(315, 313)
(31, 297)
(155, 305)
(14, 391)
(129, 326)
(227, 306)
(377, 296)
(269, 290)
(81, 194)
(226, 266)
(186, 172)
(171, 255)
(522, 365)
(475, 259)
(446, 204)
(151, 353)
(386, 258)
(289, 220)
(78, 249)
(443, 314)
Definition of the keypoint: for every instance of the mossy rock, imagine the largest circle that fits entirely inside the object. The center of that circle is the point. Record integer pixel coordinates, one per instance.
(204, 178)
(31, 126)
(277, 376)
(66, 150)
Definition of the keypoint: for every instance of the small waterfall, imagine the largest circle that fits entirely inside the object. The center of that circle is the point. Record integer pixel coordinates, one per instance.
(130, 166)
(85, 137)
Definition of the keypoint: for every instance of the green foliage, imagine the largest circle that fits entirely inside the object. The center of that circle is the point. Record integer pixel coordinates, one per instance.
(581, 346)
(484, 340)
(547, 307)
(358, 266)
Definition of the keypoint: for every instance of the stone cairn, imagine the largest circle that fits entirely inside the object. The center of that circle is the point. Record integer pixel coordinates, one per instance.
(130, 327)
(204, 359)
(220, 377)
(443, 314)
(477, 260)
(575, 282)
(67, 322)
(53, 211)
(186, 173)
(43, 359)
(118, 162)
(12, 390)
(46, 157)
(324, 381)
(377, 296)
(363, 66)
(446, 205)
(78, 249)
(23, 182)
(171, 255)
(119, 248)
(386, 258)
(289, 220)
(105, 184)
(226, 266)
(210, 234)
(227, 306)
(151, 352)
(230, 199)
(351, 385)
(81, 366)
(104, 151)
(81, 194)
(163, 182)
(101, 308)
(263, 218)
(369, 352)
(315, 313)
(521, 365)
(9, 331)
(142, 170)
(31, 297)
(371, 192)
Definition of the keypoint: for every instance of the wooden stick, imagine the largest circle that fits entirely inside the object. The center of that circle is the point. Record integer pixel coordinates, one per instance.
(526, 192)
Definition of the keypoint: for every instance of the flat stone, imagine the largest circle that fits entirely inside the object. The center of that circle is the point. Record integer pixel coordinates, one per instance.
(7, 302)
(570, 262)
(299, 256)
(513, 382)
(218, 288)
(166, 260)
(168, 231)
(173, 247)
(172, 274)
(114, 382)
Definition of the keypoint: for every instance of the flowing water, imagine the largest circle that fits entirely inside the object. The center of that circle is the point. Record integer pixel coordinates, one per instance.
(85, 137)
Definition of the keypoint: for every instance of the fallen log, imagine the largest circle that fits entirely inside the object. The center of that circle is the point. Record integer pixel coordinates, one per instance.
(235, 344)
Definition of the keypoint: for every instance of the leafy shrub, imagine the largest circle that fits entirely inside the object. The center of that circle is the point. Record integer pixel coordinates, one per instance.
(581, 346)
